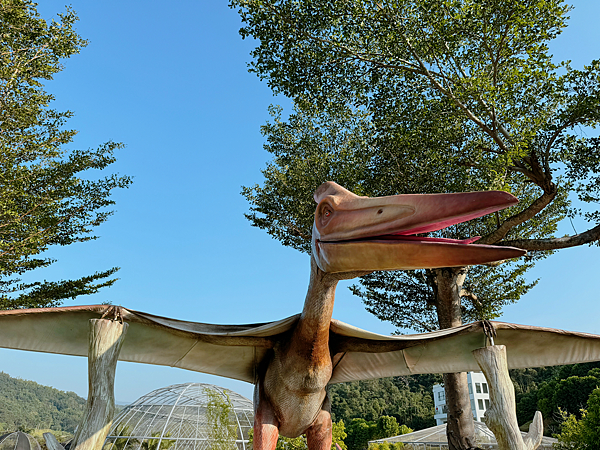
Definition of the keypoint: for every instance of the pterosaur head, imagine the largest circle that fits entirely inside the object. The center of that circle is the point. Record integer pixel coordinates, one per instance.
(353, 233)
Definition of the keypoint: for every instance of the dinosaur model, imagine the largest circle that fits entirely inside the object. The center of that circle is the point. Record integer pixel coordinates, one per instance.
(291, 361)
(354, 235)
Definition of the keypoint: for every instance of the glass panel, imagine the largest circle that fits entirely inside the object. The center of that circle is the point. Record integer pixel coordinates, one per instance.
(478, 388)
(480, 404)
(485, 391)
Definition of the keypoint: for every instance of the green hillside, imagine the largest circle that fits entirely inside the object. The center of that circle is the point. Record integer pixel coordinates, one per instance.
(28, 405)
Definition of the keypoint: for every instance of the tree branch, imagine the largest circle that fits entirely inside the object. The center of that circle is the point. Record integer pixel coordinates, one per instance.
(586, 237)
(513, 221)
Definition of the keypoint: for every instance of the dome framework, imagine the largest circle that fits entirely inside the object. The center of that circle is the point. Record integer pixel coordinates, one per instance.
(175, 418)
(17, 440)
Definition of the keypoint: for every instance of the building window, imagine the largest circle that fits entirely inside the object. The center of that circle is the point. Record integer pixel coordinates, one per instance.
(485, 391)
(470, 389)
(444, 409)
(487, 404)
(478, 388)
(480, 403)
(441, 396)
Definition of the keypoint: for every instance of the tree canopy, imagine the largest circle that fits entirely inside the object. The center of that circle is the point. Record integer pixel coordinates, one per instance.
(26, 405)
(427, 96)
(584, 433)
(408, 399)
(47, 195)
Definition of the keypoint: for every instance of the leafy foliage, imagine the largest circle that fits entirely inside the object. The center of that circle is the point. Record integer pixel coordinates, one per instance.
(409, 400)
(158, 443)
(582, 434)
(45, 199)
(360, 432)
(427, 96)
(124, 439)
(388, 445)
(557, 392)
(26, 405)
(221, 421)
(299, 443)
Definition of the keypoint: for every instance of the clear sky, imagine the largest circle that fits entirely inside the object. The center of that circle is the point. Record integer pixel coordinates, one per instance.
(170, 81)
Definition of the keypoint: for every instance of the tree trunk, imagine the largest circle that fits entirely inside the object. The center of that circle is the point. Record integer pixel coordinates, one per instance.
(460, 428)
(106, 338)
(501, 417)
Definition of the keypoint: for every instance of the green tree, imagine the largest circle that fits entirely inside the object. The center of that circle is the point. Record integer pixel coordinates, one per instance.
(339, 435)
(123, 440)
(359, 433)
(403, 398)
(220, 416)
(568, 395)
(48, 197)
(429, 96)
(299, 443)
(582, 434)
(157, 442)
(28, 405)
(387, 426)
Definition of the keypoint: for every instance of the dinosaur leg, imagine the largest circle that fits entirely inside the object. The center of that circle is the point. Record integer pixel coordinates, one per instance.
(319, 434)
(266, 425)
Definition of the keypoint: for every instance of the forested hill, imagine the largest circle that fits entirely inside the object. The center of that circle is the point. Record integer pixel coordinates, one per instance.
(28, 405)
(408, 399)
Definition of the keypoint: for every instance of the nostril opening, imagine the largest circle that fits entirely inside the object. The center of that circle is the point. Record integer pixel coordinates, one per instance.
(380, 211)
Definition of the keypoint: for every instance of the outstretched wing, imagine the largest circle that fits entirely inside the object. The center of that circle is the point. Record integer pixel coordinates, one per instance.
(361, 355)
(232, 351)
(236, 351)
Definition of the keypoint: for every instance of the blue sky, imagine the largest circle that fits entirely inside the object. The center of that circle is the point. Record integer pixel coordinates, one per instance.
(171, 82)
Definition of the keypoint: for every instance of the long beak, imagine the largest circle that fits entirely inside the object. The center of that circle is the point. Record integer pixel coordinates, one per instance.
(361, 233)
(406, 255)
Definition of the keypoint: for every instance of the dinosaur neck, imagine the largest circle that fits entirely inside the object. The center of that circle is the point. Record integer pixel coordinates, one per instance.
(311, 337)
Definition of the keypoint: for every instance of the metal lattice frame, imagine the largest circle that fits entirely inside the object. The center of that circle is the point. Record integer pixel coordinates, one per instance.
(174, 417)
(18, 440)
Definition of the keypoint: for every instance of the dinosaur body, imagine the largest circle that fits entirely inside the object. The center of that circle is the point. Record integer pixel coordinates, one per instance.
(353, 236)
(293, 385)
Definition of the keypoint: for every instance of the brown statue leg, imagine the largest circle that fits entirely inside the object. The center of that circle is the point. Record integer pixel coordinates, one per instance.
(319, 435)
(266, 425)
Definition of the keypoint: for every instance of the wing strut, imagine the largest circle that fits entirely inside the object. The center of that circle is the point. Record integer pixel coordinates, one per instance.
(501, 417)
(105, 341)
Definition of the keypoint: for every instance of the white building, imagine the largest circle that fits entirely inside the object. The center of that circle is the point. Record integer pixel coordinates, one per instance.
(478, 392)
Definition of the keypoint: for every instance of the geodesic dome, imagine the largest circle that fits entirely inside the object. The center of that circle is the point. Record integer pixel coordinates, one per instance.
(175, 418)
(17, 440)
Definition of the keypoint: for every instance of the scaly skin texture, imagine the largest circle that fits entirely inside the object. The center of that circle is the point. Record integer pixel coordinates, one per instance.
(290, 397)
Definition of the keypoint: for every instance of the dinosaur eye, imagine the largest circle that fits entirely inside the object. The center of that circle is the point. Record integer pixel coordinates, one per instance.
(326, 213)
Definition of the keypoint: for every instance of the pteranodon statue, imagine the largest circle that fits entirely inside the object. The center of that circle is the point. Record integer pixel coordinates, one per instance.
(293, 360)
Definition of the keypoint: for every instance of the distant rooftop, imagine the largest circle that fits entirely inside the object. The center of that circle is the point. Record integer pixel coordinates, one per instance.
(436, 436)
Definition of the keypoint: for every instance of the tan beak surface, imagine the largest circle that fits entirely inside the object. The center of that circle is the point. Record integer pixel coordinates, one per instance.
(362, 233)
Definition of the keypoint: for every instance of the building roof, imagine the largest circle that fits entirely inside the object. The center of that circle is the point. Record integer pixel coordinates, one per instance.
(437, 435)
